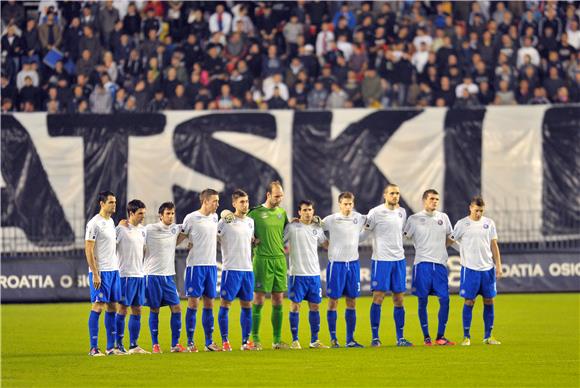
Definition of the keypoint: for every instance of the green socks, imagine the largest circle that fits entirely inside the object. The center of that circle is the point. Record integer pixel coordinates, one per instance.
(277, 323)
(256, 317)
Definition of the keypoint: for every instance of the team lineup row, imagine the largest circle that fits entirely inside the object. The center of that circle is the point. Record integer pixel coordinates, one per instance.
(132, 265)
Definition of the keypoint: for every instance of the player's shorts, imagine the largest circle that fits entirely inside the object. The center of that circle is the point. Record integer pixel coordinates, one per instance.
(475, 282)
(270, 274)
(305, 288)
(237, 284)
(343, 278)
(389, 275)
(430, 279)
(201, 280)
(110, 289)
(133, 291)
(160, 291)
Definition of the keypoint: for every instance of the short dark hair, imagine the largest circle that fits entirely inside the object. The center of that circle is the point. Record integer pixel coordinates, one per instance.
(390, 185)
(166, 205)
(271, 186)
(430, 191)
(205, 194)
(305, 202)
(103, 195)
(477, 201)
(238, 193)
(345, 195)
(134, 205)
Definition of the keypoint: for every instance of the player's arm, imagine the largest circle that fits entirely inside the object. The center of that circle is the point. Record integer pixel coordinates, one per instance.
(369, 226)
(92, 262)
(496, 258)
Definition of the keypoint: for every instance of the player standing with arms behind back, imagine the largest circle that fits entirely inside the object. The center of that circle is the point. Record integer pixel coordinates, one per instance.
(389, 269)
(269, 262)
(480, 266)
(430, 231)
(104, 281)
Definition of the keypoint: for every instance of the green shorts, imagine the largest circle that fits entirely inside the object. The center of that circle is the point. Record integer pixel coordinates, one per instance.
(270, 274)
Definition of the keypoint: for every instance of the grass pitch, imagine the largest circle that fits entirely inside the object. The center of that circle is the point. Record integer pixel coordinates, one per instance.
(46, 345)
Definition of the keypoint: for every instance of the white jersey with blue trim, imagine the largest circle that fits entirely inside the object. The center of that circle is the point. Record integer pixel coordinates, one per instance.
(304, 240)
(102, 232)
(343, 235)
(429, 234)
(236, 243)
(130, 250)
(475, 239)
(202, 233)
(387, 232)
(160, 252)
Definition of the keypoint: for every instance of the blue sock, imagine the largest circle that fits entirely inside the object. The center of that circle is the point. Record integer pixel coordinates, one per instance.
(207, 323)
(154, 327)
(423, 320)
(190, 321)
(120, 325)
(246, 323)
(94, 328)
(375, 319)
(294, 319)
(467, 312)
(223, 322)
(175, 328)
(488, 316)
(134, 329)
(443, 316)
(350, 317)
(110, 328)
(314, 320)
(399, 315)
(331, 318)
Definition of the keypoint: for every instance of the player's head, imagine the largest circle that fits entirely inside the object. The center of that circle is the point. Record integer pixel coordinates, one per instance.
(476, 208)
(306, 210)
(210, 200)
(392, 194)
(136, 211)
(240, 201)
(107, 202)
(430, 200)
(274, 194)
(167, 213)
(346, 202)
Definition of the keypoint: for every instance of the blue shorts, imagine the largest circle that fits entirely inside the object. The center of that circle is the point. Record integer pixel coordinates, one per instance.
(477, 282)
(305, 287)
(343, 278)
(110, 289)
(237, 284)
(430, 279)
(389, 275)
(160, 291)
(201, 281)
(133, 291)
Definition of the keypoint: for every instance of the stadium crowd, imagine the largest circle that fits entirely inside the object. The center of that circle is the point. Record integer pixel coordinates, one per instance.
(122, 56)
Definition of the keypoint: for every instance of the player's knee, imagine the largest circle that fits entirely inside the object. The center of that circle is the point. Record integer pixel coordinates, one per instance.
(378, 297)
(332, 304)
(122, 310)
(192, 302)
(351, 303)
(488, 301)
(246, 304)
(136, 310)
(277, 298)
(398, 299)
(154, 310)
(313, 306)
(175, 308)
(225, 303)
(98, 307)
(259, 298)
(295, 307)
(208, 302)
(112, 307)
(469, 302)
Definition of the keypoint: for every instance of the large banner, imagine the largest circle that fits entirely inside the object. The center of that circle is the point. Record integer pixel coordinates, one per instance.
(66, 279)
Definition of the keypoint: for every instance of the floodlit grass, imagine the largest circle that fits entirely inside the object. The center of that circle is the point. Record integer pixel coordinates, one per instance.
(47, 345)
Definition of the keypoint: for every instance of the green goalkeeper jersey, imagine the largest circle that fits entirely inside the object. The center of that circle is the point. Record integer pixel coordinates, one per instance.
(269, 229)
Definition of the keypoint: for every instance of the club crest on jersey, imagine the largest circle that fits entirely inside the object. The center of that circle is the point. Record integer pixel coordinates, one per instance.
(400, 215)
(440, 222)
(279, 216)
(485, 226)
(103, 223)
(421, 219)
(374, 283)
(314, 232)
(174, 230)
(355, 221)
(143, 234)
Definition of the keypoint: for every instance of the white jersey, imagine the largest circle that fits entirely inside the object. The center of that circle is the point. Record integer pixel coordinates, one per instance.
(236, 244)
(429, 234)
(304, 241)
(343, 235)
(130, 250)
(160, 255)
(475, 239)
(102, 232)
(202, 233)
(387, 232)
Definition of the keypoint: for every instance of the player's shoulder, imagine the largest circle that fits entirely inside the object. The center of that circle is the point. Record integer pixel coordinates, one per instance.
(95, 220)
(256, 209)
(487, 221)
(463, 222)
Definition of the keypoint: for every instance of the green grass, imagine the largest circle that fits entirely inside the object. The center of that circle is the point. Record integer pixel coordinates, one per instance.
(46, 345)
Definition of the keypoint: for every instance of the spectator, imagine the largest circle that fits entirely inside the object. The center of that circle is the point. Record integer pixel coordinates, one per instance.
(220, 21)
(323, 39)
(466, 100)
(292, 31)
(27, 71)
(467, 84)
(132, 21)
(371, 88)
(49, 34)
(271, 63)
(276, 101)
(524, 94)
(337, 98)
(179, 101)
(574, 34)
(225, 101)
(552, 83)
(158, 103)
(90, 42)
(539, 97)
(486, 96)
(272, 83)
(445, 92)
(85, 65)
(504, 95)
(108, 17)
(101, 100)
(317, 96)
(13, 13)
(29, 93)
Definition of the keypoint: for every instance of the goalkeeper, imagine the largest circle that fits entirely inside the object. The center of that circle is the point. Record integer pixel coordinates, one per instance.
(269, 262)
